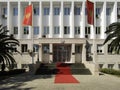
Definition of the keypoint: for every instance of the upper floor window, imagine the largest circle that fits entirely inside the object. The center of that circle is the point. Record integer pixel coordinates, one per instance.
(108, 11)
(66, 11)
(36, 11)
(77, 30)
(5, 11)
(26, 30)
(77, 10)
(15, 11)
(46, 30)
(66, 30)
(98, 11)
(36, 30)
(56, 11)
(46, 11)
(56, 30)
(97, 30)
(15, 30)
(87, 30)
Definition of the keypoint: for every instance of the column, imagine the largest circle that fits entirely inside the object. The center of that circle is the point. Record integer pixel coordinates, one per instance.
(19, 20)
(51, 53)
(40, 52)
(72, 20)
(114, 13)
(103, 21)
(8, 17)
(40, 19)
(51, 19)
(83, 53)
(73, 54)
(61, 20)
(82, 28)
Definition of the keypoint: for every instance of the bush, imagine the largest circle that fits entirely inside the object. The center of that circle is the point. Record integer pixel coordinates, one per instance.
(12, 72)
(110, 71)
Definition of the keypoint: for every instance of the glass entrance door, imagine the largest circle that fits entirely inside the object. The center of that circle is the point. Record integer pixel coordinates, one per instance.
(61, 53)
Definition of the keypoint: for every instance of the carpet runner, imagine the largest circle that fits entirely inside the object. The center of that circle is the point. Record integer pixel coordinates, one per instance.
(64, 74)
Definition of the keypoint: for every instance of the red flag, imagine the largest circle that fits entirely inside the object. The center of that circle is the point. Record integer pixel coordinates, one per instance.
(90, 12)
(27, 20)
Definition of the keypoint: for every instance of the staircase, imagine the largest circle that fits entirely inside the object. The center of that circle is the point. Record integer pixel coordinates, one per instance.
(76, 69)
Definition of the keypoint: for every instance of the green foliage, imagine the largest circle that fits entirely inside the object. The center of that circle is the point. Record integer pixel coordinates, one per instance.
(6, 47)
(110, 71)
(113, 35)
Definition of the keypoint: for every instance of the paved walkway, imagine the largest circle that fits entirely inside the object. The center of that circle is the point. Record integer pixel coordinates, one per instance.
(38, 82)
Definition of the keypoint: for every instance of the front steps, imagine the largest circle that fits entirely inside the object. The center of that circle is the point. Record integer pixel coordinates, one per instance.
(76, 69)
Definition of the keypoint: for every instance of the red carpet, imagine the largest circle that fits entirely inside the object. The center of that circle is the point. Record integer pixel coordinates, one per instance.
(64, 74)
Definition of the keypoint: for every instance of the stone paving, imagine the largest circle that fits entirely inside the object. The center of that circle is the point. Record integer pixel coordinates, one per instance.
(39, 82)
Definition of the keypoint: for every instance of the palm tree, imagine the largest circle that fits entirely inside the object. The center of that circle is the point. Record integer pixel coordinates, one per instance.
(113, 35)
(6, 47)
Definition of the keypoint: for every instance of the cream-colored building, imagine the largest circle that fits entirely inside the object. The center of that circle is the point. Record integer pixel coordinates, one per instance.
(60, 31)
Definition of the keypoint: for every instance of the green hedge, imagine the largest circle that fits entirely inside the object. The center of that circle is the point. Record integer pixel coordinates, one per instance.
(110, 71)
(12, 72)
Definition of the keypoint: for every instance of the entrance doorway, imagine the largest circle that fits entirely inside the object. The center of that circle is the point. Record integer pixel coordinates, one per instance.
(61, 53)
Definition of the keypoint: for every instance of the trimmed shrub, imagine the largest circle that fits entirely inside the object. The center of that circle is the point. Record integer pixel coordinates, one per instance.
(12, 72)
(110, 71)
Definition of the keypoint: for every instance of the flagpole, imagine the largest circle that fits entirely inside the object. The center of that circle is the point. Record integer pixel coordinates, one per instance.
(32, 38)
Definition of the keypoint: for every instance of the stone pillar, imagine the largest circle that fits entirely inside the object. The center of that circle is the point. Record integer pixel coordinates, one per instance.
(83, 53)
(73, 54)
(19, 20)
(51, 19)
(72, 20)
(40, 52)
(51, 53)
(61, 20)
(40, 19)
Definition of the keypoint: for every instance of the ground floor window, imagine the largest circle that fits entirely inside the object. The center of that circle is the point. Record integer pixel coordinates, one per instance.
(45, 48)
(100, 49)
(24, 48)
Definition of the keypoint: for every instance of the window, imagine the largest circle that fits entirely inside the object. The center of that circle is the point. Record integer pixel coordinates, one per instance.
(46, 11)
(98, 10)
(101, 66)
(26, 30)
(36, 30)
(108, 11)
(85, 11)
(66, 11)
(5, 11)
(100, 49)
(46, 48)
(56, 30)
(15, 30)
(35, 48)
(15, 11)
(77, 30)
(36, 11)
(97, 30)
(24, 47)
(87, 30)
(66, 30)
(77, 10)
(77, 49)
(110, 66)
(46, 30)
(111, 50)
(118, 11)
(56, 11)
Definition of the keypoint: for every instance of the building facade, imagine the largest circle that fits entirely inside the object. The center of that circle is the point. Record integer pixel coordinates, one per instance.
(60, 31)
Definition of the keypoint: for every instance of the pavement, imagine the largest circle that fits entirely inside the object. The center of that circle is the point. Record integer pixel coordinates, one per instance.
(46, 82)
